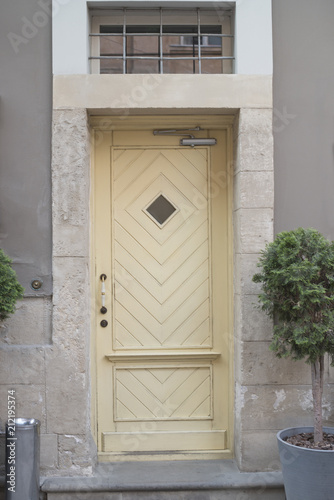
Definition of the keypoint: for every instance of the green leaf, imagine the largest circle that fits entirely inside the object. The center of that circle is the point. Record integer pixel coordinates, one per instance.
(296, 273)
(10, 288)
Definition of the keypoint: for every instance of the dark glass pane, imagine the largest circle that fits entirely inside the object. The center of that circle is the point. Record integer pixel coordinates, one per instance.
(179, 29)
(215, 40)
(161, 209)
(213, 66)
(142, 66)
(111, 66)
(211, 30)
(180, 67)
(111, 46)
(111, 29)
(142, 46)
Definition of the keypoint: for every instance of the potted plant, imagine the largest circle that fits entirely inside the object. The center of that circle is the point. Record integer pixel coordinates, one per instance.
(297, 280)
(10, 288)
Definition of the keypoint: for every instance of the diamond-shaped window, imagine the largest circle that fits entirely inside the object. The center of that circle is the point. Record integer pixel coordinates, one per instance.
(161, 209)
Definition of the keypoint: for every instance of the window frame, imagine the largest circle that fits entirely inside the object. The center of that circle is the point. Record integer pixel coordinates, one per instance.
(148, 17)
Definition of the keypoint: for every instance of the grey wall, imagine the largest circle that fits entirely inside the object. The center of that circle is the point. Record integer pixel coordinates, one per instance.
(304, 114)
(25, 139)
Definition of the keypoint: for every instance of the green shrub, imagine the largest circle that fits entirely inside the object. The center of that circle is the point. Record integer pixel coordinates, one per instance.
(297, 278)
(10, 288)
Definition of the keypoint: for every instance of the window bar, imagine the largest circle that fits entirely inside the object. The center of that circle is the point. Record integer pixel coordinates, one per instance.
(124, 42)
(220, 35)
(160, 58)
(199, 41)
(161, 63)
(194, 55)
(166, 58)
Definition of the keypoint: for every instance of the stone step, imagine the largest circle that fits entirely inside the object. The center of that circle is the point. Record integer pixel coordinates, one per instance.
(273, 494)
(178, 480)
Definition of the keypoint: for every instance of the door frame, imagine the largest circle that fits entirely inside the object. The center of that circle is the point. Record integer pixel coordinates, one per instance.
(101, 128)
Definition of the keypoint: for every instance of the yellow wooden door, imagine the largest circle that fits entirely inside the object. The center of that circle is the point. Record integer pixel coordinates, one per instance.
(162, 242)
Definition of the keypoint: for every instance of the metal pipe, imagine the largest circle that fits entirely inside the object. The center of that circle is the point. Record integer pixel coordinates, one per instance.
(199, 41)
(163, 34)
(161, 67)
(198, 142)
(176, 131)
(124, 42)
(166, 58)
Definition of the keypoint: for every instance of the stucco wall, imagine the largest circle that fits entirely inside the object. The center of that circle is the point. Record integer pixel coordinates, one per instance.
(25, 208)
(303, 39)
(25, 141)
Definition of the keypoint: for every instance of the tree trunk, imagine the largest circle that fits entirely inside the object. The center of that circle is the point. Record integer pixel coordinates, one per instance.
(317, 389)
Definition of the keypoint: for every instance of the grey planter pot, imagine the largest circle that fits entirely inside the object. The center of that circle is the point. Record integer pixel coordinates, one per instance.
(307, 474)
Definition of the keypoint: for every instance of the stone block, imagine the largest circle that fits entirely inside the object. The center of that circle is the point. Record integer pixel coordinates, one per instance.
(71, 315)
(259, 451)
(22, 365)
(70, 182)
(238, 368)
(216, 494)
(239, 403)
(70, 240)
(67, 369)
(245, 266)
(49, 452)
(276, 407)
(328, 405)
(67, 394)
(85, 496)
(263, 493)
(329, 370)
(31, 323)
(255, 121)
(157, 92)
(254, 152)
(254, 190)
(70, 139)
(29, 402)
(253, 140)
(236, 126)
(259, 365)
(253, 229)
(76, 455)
(250, 323)
(71, 194)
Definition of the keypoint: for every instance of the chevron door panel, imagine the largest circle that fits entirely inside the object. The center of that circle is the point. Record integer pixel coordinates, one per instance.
(161, 233)
(161, 249)
(163, 393)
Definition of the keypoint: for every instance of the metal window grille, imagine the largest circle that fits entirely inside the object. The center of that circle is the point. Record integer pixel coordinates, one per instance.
(199, 45)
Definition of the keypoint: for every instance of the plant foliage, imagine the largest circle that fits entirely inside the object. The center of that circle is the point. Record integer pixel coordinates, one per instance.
(297, 277)
(10, 288)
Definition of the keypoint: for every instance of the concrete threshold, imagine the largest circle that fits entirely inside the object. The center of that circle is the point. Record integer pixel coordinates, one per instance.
(168, 476)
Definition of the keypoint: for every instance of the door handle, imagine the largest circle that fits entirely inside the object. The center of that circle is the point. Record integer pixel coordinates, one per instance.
(103, 309)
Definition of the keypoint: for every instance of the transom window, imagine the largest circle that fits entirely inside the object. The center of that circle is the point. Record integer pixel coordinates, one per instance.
(162, 41)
